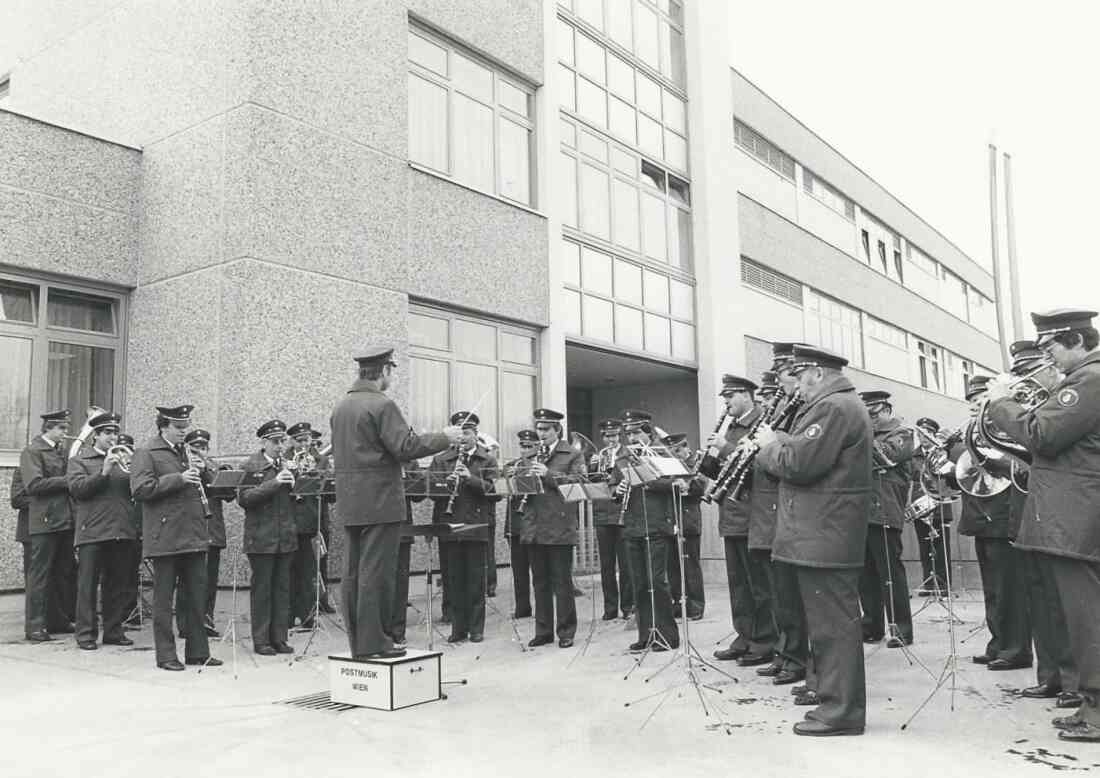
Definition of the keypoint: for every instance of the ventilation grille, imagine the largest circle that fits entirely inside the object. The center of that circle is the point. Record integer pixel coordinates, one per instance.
(770, 281)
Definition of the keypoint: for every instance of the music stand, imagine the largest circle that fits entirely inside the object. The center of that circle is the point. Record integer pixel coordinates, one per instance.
(318, 486)
(430, 532)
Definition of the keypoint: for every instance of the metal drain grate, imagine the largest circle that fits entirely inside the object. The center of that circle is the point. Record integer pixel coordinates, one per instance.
(316, 701)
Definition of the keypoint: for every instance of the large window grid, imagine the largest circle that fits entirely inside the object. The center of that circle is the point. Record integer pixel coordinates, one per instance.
(61, 346)
(822, 190)
(621, 198)
(833, 325)
(929, 367)
(615, 300)
(653, 32)
(610, 92)
(468, 121)
(763, 149)
(458, 361)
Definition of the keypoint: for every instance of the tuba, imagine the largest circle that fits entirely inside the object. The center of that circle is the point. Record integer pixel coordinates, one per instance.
(86, 431)
(1027, 390)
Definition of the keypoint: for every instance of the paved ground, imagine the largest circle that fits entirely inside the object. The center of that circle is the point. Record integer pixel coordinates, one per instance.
(522, 713)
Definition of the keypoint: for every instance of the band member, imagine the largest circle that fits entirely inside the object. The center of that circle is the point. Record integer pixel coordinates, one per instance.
(105, 534)
(934, 531)
(692, 517)
(307, 522)
(550, 532)
(1061, 523)
(986, 519)
(487, 442)
(650, 531)
(270, 539)
(136, 615)
(21, 503)
(51, 578)
(746, 577)
(326, 533)
(824, 467)
(370, 440)
(618, 592)
(198, 442)
(168, 486)
(883, 580)
(1055, 674)
(469, 470)
(513, 528)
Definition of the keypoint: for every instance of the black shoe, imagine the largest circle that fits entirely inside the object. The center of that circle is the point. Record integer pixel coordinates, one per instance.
(212, 633)
(895, 642)
(307, 623)
(872, 639)
(820, 729)
(522, 614)
(171, 664)
(476, 637)
(800, 689)
(657, 648)
(565, 643)
(492, 592)
(1005, 664)
(695, 616)
(326, 606)
(789, 676)
(1067, 722)
(540, 640)
(457, 638)
(282, 648)
(676, 611)
(1041, 691)
(578, 591)
(637, 647)
(68, 628)
(726, 654)
(119, 641)
(265, 650)
(610, 616)
(41, 636)
(771, 671)
(1086, 733)
(809, 698)
(1069, 700)
(393, 653)
(208, 662)
(627, 613)
(86, 645)
(981, 659)
(752, 659)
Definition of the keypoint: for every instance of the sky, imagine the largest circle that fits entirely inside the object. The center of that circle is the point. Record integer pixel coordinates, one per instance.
(913, 93)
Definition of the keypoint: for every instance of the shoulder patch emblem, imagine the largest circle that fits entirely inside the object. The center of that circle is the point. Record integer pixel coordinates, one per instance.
(813, 431)
(1067, 398)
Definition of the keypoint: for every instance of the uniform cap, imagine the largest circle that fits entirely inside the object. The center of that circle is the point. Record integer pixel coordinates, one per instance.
(465, 419)
(675, 439)
(271, 429)
(104, 421)
(815, 356)
(125, 440)
(301, 428)
(633, 418)
(875, 397)
(315, 434)
(527, 436)
(976, 386)
(1058, 320)
(932, 424)
(179, 413)
(1021, 346)
(196, 435)
(611, 425)
(733, 383)
(375, 354)
(546, 414)
(58, 416)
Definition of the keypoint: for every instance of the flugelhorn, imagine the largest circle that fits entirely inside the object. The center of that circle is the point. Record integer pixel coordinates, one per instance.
(123, 454)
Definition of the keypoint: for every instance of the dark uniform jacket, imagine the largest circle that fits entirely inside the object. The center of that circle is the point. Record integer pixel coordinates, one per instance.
(43, 468)
(606, 512)
(691, 509)
(217, 499)
(102, 505)
(734, 515)
(269, 526)
(984, 517)
(890, 495)
(549, 520)
(172, 520)
(308, 513)
(1063, 434)
(649, 510)
(475, 503)
(1017, 504)
(764, 507)
(824, 470)
(371, 439)
(513, 518)
(22, 503)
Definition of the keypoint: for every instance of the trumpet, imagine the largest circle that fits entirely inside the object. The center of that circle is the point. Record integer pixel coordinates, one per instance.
(124, 456)
(542, 457)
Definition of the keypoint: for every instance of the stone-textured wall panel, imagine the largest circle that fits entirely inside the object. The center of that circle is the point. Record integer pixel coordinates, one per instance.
(509, 31)
(339, 65)
(475, 251)
(183, 201)
(298, 196)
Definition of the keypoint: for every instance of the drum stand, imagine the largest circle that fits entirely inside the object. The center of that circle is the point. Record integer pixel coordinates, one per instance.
(687, 655)
(941, 598)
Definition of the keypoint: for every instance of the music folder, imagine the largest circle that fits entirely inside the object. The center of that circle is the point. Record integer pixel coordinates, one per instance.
(518, 485)
(580, 492)
(232, 479)
(314, 485)
(444, 530)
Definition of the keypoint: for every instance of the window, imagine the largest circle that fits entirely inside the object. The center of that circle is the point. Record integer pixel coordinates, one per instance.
(827, 194)
(967, 374)
(953, 293)
(764, 150)
(60, 347)
(898, 269)
(834, 325)
(882, 258)
(458, 361)
(469, 122)
(886, 350)
(760, 277)
(983, 312)
(928, 364)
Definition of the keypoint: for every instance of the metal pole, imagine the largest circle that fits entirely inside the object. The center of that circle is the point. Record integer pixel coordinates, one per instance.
(994, 235)
(1013, 264)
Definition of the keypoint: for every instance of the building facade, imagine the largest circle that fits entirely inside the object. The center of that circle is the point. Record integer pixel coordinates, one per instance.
(575, 204)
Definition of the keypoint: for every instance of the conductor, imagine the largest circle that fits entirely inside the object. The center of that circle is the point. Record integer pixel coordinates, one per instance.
(370, 440)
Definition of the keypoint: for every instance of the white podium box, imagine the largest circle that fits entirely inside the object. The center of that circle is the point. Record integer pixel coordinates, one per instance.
(386, 684)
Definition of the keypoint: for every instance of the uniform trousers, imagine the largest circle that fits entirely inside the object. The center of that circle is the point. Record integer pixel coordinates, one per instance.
(750, 597)
(51, 582)
(830, 603)
(191, 569)
(552, 579)
(935, 553)
(26, 561)
(367, 590)
(883, 582)
(467, 580)
(1004, 587)
(1054, 665)
(133, 565)
(491, 564)
(792, 645)
(269, 598)
(106, 561)
(399, 612)
(213, 565)
(303, 579)
(618, 591)
(693, 575)
(1079, 589)
(521, 576)
(652, 593)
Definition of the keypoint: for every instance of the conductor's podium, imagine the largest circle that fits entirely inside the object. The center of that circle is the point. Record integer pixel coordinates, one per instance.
(386, 684)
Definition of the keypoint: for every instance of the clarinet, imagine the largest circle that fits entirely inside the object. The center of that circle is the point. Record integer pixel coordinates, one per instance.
(541, 457)
(782, 424)
(710, 458)
(191, 460)
(718, 488)
(464, 459)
